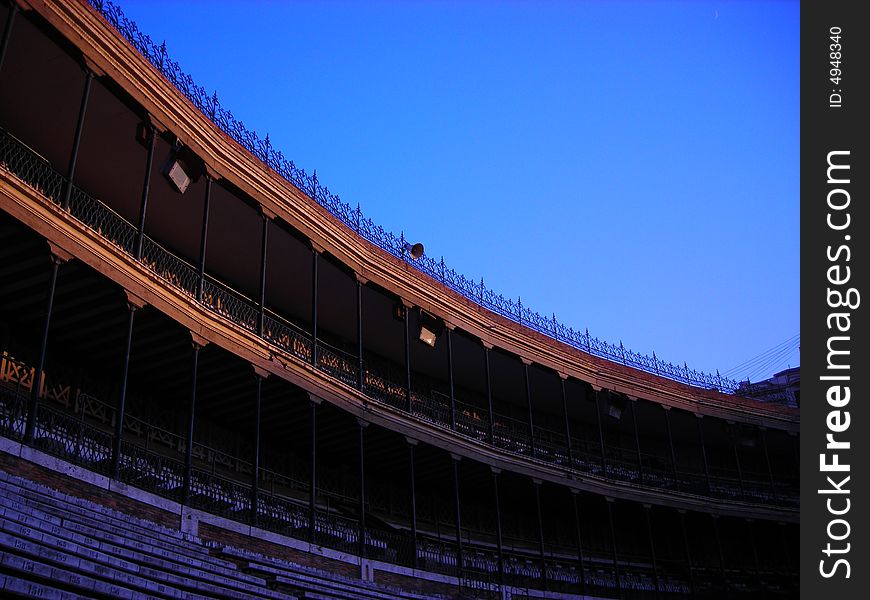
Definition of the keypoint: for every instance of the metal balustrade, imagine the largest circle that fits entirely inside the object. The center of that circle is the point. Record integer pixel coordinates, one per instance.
(151, 470)
(337, 532)
(102, 220)
(434, 408)
(472, 421)
(219, 495)
(512, 435)
(384, 390)
(30, 167)
(339, 364)
(230, 304)
(62, 434)
(13, 406)
(550, 446)
(285, 335)
(169, 267)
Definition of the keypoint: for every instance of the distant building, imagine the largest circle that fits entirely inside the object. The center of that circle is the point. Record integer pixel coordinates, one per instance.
(194, 333)
(783, 388)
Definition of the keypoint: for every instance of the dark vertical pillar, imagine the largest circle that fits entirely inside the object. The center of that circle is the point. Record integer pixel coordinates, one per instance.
(786, 551)
(255, 475)
(146, 187)
(314, 261)
(454, 460)
(36, 385)
(688, 551)
(413, 485)
(574, 494)
(795, 450)
(763, 434)
(536, 484)
(600, 433)
(74, 155)
(652, 547)
(755, 561)
(567, 422)
(529, 403)
(450, 378)
(491, 422)
(203, 239)
(312, 489)
(261, 317)
(122, 396)
(633, 404)
(359, 336)
(700, 419)
(362, 488)
(191, 421)
(406, 312)
(7, 32)
(609, 502)
(731, 428)
(667, 410)
(719, 549)
(499, 540)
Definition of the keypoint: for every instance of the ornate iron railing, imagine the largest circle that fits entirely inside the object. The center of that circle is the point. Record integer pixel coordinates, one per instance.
(219, 495)
(512, 435)
(13, 405)
(103, 220)
(337, 532)
(170, 267)
(341, 365)
(284, 334)
(434, 408)
(30, 167)
(379, 383)
(353, 218)
(230, 304)
(472, 421)
(63, 435)
(550, 446)
(151, 470)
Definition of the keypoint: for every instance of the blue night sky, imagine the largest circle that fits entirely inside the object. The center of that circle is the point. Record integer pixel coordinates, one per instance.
(632, 167)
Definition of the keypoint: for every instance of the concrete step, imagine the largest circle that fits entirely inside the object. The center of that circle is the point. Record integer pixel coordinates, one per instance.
(179, 573)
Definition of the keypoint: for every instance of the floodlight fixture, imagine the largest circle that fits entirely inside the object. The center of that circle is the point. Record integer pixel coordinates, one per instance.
(182, 168)
(177, 176)
(431, 328)
(615, 405)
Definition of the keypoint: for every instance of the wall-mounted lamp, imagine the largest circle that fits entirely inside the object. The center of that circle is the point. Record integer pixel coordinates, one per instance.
(615, 405)
(430, 328)
(177, 175)
(177, 171)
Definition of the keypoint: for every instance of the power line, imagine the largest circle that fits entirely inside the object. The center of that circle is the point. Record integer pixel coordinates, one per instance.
(767, 361)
